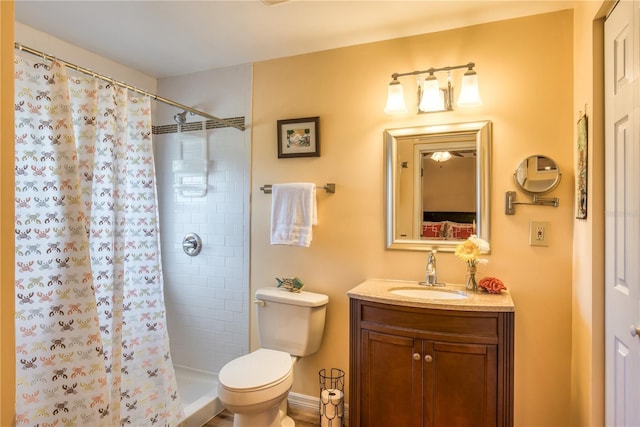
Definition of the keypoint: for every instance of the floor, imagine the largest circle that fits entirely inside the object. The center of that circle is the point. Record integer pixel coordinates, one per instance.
(225, 419)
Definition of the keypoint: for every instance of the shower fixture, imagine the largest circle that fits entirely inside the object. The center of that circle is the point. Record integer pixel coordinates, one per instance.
(180, 118)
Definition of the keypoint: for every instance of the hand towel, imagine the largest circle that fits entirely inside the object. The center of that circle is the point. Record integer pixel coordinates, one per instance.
(293, 213)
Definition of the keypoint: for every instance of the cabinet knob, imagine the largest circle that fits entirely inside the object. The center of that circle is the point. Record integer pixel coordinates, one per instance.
(416, 356)
(428, 358)
(635, 331)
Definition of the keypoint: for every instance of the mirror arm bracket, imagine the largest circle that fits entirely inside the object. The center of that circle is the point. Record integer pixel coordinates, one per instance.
(510, 202)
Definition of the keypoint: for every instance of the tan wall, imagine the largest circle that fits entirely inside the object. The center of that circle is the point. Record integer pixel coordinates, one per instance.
(7, 261)
(449, 186)
(526, 74)
(587, 380)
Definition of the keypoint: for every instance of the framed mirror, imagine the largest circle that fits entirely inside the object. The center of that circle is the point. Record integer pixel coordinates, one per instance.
(437, 182)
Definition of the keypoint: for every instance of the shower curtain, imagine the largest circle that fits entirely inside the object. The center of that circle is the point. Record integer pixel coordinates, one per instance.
(91, 339)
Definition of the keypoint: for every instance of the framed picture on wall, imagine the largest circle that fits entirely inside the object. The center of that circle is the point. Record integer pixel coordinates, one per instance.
(581, 169)
(298, 138)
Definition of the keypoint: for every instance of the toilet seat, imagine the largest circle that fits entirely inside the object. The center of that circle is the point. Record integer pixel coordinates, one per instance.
(261, 369)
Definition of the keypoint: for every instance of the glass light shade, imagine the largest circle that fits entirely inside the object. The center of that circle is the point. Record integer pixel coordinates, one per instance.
(432, 99)
(395, 99)
(469, 94)
(441, 156)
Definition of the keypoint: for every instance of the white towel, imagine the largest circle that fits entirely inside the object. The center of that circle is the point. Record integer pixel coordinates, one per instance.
(293, 212)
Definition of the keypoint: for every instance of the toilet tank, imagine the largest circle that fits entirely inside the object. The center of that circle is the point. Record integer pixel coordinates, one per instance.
(292, 322)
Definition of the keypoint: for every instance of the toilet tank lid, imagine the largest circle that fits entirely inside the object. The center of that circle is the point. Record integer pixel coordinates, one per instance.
(303, 298)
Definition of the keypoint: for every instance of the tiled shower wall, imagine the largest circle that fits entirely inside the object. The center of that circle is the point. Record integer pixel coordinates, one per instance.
(207, 296)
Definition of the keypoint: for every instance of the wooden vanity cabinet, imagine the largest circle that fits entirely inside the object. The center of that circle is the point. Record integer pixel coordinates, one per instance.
(421, 367)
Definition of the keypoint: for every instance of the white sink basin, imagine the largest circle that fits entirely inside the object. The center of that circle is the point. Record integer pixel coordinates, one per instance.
(429, 293)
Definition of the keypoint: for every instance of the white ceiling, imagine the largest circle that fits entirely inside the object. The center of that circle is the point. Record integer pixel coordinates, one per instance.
(170, 38)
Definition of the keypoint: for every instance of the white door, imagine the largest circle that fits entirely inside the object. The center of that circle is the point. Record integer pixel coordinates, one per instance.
(622, 223)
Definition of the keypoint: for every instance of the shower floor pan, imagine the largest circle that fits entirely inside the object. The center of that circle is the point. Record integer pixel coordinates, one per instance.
(199, 393)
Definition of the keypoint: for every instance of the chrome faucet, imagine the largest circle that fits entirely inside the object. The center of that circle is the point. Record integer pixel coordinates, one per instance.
(431, 275)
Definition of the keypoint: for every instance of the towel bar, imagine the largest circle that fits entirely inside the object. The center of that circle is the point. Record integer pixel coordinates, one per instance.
(329, 188)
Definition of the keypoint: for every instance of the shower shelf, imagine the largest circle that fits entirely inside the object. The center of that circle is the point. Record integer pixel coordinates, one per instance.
(191, 190)
(191, 168)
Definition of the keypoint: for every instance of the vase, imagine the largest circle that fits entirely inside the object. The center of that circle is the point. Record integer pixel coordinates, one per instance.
(471, 283)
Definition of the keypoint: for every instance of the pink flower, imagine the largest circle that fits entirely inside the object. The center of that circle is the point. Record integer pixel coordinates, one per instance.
(493, 285)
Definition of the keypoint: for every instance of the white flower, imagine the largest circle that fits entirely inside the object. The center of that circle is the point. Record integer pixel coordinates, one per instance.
(481, 244)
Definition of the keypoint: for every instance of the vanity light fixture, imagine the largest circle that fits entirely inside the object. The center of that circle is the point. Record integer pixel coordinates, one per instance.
(432, 97)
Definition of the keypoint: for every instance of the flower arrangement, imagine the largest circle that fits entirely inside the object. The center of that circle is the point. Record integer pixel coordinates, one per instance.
(469, 251)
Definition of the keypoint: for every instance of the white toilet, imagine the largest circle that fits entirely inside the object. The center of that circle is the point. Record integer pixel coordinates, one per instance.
(255, 386)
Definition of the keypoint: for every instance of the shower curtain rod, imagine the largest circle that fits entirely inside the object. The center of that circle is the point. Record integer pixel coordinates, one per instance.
(43, 55)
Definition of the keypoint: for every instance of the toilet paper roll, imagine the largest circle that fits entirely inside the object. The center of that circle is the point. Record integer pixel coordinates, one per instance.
(332, 407)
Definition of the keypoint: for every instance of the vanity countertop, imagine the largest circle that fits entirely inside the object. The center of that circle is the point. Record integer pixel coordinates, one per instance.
(379, 290)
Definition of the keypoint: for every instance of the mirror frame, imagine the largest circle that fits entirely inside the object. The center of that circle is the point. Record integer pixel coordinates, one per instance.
(480, 132)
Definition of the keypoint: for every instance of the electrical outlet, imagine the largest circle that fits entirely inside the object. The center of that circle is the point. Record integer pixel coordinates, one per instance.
(539, 233)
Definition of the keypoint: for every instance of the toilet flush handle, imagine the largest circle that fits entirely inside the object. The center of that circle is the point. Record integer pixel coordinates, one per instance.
(259, 302)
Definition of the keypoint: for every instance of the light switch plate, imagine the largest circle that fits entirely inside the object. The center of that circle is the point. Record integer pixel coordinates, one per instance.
(539, 233)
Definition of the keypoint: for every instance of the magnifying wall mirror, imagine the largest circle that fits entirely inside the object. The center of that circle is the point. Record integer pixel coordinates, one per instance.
(437, 185)
(535, 175)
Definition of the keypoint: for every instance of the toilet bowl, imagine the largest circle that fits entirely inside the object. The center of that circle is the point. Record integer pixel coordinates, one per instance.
(255, 386)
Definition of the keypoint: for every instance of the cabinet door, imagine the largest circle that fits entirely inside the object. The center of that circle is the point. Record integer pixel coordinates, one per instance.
(391, 381)
(461, 384)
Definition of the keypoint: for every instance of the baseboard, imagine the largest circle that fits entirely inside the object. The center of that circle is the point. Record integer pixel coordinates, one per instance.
(310, 405)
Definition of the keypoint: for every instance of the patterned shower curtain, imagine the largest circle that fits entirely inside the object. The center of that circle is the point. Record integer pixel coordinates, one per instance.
(91, 337)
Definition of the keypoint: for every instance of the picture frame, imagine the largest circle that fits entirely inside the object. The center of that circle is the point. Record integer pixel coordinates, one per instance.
(299, 137)
(582, 168)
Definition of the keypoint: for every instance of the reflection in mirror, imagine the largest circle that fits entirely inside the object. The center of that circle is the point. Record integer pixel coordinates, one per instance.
(537, 175)
(437, 185)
